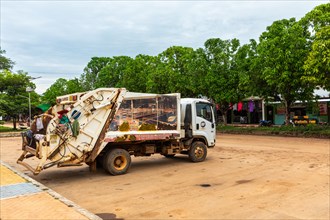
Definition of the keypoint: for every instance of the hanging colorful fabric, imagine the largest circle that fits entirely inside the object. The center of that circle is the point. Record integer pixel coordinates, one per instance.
(251, 106)
(239, 106)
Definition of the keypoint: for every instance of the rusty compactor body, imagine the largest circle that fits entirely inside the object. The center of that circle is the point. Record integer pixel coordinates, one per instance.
(106, 126)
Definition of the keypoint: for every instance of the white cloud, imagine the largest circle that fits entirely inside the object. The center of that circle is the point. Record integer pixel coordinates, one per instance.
(60, 37)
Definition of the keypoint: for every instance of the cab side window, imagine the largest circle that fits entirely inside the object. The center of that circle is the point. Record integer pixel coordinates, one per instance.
(204, 110)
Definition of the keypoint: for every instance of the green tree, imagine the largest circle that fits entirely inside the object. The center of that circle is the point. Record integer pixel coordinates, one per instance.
(317, 65)
(136, 73)
(250, 83)
(61, 87)
(5, 63)
(112, 74)
(73, 86)
(91, 72)
(282, 51)
(198, 68)
(223, 78)
(175, 67)
(158, 79)
(14, 98)
(58, 88)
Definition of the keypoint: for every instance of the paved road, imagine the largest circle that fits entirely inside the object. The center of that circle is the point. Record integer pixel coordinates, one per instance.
(243, 177)
(25, 198)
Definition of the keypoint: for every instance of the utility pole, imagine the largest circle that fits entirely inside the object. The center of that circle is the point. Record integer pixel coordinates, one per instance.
(29, 90)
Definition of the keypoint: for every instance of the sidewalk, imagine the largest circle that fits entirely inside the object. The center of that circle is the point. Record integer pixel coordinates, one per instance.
(24, 198)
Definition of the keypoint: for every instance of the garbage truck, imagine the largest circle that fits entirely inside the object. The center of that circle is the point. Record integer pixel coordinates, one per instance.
(106, 126)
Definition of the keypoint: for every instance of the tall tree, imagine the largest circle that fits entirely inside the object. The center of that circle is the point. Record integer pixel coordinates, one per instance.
(176, 62)
(158, 79)
(112, 74)
(198, 68)
(136, 72)
(223, 78)
(249, 81)
(14, 99)
(317, 65)
(91, 72)
(282, 51)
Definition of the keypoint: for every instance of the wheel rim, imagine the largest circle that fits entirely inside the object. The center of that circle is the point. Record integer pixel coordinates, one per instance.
(120, 162)
(199, 152)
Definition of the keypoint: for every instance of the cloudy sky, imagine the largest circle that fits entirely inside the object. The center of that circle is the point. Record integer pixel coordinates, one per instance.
(56, 39)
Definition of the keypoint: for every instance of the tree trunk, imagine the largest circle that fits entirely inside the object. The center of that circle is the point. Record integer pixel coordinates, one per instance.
(14, 123)
(224, 107)
(224, 118)
(287, 112)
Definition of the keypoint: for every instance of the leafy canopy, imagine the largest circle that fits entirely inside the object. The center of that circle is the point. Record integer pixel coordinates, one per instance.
(61, 87)
(5, 63)
(317, 65)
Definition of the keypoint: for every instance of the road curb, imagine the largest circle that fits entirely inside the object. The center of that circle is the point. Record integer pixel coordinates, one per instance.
(9, 134)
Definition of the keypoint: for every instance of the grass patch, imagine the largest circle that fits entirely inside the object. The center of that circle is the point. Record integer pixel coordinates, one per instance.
(9, 129)
(6, 129)
(317, 131)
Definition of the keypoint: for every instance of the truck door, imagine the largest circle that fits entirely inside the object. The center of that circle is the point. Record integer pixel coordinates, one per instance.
(205, 122)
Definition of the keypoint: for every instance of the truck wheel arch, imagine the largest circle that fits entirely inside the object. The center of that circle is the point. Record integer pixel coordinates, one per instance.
(196, 138)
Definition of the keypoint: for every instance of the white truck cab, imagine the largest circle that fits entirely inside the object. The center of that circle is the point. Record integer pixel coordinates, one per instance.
(198, 119)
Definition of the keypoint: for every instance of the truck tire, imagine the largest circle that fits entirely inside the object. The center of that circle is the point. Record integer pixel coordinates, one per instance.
(117, 161)
(197, 151)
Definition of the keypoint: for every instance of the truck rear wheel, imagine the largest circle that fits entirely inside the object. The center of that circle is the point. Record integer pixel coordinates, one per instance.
(197, 152)
(117, 161)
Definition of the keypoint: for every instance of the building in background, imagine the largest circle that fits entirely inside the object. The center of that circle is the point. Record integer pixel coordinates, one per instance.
(254, 109)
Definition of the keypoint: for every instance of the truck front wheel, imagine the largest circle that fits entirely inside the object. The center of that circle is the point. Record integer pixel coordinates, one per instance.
(117, 161)
(197, 152)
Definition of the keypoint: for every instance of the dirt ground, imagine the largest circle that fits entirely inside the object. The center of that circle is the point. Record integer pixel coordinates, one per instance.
(244, 177)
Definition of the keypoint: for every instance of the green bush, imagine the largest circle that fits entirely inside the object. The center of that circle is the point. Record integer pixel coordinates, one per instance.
(2, 122)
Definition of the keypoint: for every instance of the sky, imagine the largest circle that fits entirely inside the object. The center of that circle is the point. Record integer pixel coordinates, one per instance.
(56, 39)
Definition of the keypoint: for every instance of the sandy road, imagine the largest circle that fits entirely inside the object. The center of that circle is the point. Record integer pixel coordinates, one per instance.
(244, 177)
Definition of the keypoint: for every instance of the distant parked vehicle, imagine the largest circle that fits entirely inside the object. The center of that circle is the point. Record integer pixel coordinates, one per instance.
(265, 123)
